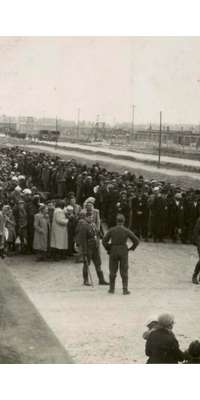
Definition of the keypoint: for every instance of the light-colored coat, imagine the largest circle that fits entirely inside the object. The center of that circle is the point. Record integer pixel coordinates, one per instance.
(59, 232)
(41, 227)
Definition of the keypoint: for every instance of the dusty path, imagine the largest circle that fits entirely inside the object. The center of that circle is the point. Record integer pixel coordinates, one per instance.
(100, 328)
(136, 155)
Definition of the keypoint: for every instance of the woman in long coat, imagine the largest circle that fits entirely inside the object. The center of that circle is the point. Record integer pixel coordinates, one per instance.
(41, 233)
(59, 232)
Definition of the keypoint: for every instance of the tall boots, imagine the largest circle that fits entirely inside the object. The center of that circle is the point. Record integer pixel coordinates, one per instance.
(101, 278)
(196, 273)
(125, 285)
(85, 275)
(112, 285)
(2, 253)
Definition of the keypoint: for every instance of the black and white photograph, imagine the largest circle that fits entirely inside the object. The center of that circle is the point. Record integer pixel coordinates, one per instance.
(99, 200)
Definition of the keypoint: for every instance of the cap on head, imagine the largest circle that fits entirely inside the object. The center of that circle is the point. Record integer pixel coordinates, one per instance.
(151, 320)
(120, 219)
(90, 200)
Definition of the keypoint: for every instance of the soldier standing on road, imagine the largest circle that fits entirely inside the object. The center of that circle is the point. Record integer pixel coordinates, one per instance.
(115, 242)
(196, 236)
(88, 239)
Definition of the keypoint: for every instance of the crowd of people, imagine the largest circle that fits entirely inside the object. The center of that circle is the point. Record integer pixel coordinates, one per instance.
(44, 201)
(58, 209)
(162, 346)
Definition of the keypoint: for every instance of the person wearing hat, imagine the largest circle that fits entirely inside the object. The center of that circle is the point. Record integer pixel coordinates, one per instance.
(196, 241)
(94, 212)
(151, 324)
(88, 241)
(162, 346)
(87, 189)
(175, 217)
(158, 215)
(115, 242)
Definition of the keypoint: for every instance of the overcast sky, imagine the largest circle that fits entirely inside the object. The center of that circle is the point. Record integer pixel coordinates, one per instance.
(56, 76)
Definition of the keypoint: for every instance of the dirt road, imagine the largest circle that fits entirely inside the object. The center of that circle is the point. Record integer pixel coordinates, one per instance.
(100, 328)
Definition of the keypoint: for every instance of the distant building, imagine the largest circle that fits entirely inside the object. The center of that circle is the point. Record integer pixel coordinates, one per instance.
(179, 137)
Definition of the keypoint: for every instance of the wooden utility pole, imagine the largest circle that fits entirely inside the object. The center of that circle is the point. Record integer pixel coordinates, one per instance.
(56, 132)
(133, 120)
(160, 140)
(78, 122)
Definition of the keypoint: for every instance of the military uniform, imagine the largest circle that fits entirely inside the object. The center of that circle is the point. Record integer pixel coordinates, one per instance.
(115, 242)
(196, 236)
(88, 240)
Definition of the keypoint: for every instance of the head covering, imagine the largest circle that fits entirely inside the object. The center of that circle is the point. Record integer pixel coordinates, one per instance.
(42, 206)
(27, 191)
(69, 208)
(18, 188)
(151, 320)
(120, 218)
(90, 200)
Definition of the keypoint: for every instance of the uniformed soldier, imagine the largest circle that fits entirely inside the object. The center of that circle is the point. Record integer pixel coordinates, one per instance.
(196, 238)
(88, 240)
(115, 242)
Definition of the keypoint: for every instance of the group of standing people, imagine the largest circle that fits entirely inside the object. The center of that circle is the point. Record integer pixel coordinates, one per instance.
(56, 207)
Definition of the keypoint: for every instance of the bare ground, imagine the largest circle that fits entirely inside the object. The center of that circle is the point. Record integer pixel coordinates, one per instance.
(96, 327)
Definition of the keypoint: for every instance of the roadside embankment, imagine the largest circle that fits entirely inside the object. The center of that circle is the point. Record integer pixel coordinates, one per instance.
(25, 336)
